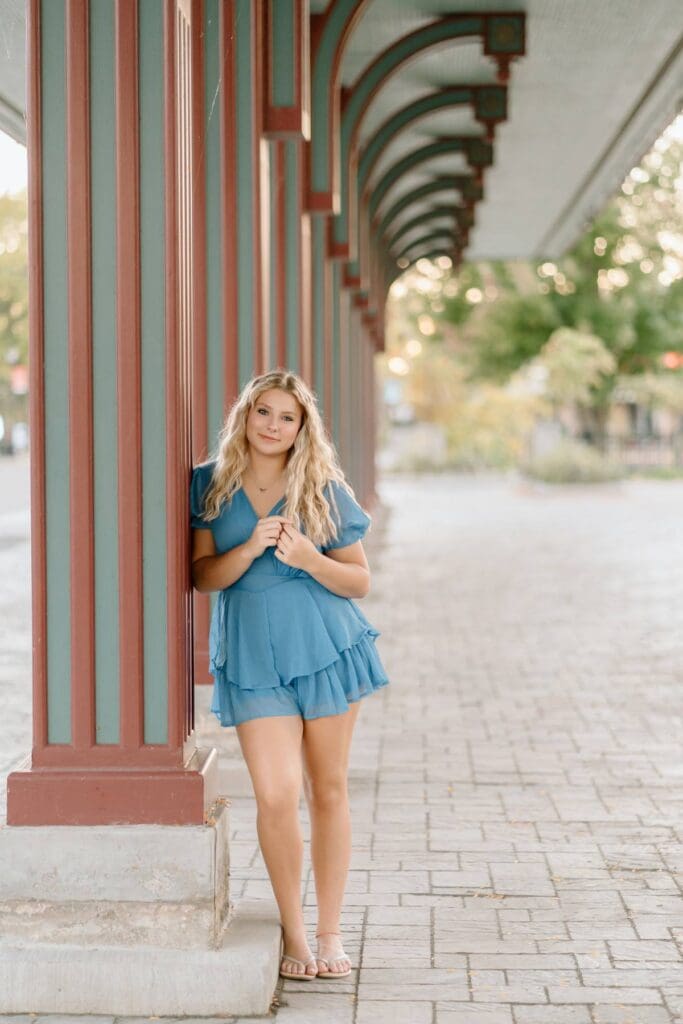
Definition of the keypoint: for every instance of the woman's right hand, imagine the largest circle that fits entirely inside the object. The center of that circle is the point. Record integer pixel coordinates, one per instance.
(265, 534)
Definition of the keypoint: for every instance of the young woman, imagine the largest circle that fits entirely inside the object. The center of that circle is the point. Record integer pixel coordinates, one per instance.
(277, 531)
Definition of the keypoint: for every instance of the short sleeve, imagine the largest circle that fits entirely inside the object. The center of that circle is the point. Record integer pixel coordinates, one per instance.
(201, 478)
(352, 522)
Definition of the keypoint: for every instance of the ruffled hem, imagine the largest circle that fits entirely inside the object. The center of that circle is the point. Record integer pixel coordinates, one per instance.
(357, 672)
(281, 632)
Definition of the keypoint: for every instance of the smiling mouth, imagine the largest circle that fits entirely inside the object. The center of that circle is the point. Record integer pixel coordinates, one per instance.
(266, 438)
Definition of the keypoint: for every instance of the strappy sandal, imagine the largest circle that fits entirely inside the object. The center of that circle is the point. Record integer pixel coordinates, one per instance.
(301, 975)
(332, 960)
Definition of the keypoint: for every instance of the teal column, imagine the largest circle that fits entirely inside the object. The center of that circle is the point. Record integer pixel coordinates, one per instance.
(111, 333)
(215, 355)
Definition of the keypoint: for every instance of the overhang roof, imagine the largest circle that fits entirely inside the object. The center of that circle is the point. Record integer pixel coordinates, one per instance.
(599, 81)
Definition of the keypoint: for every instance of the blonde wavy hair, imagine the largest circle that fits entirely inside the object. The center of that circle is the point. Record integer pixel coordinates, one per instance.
(312, 461)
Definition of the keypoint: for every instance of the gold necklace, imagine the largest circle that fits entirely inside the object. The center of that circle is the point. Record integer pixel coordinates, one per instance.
(263, 489)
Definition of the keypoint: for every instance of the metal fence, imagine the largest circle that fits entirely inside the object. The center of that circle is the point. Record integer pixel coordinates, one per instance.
(644, 452)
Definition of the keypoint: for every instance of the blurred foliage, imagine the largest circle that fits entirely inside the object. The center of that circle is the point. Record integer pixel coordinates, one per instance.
(622, 282)
(514, 331)
(491, 428)
(13, 309)
(598, 319)
(572, 462)
(13, 281)
(655, 390)
(579, 368)
(483, 425)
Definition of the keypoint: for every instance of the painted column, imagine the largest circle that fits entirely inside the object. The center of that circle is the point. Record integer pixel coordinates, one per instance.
(244, 173)
(200, 381)
(286, 120)
(111, 268)
(289, 340)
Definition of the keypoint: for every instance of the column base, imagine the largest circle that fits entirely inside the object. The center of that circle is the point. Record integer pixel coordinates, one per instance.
(131, 920)
(239, 979)
(113, 796)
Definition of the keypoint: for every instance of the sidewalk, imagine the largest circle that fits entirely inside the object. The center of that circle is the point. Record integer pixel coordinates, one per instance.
(516, 789)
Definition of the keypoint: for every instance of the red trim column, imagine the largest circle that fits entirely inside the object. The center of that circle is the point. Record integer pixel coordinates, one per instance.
(128, 343)
(80, 377)
(200, 440)
(83, 781)
(229, 204)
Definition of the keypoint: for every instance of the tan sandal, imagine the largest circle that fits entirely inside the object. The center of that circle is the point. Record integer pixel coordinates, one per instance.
(301, 975)
(332, 960)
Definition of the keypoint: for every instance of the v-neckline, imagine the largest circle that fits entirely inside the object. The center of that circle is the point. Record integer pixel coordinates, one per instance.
(255, 513)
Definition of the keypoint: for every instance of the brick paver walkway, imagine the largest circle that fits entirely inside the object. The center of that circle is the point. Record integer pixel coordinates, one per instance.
(516, 791)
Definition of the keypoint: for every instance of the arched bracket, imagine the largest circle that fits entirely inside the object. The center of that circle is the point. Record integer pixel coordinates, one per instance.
(430, 239)
(489, 104)
(462, 216)
(499, 40)
(471, 192)
(477, 152)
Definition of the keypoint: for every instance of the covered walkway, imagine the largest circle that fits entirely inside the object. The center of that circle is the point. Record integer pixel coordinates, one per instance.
(218, 187)
(516, 791)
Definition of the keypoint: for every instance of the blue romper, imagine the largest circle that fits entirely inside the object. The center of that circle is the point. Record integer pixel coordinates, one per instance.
(281, 643)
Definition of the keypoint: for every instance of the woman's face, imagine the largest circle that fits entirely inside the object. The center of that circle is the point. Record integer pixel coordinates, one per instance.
(274, 421)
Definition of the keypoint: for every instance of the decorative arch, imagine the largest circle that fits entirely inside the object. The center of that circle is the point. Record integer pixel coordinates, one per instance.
(430, 239)
(436, 217)
(503, 39)
(470, 190)
(478, 153)
(330, 33)
(489, 103)
(462, 216)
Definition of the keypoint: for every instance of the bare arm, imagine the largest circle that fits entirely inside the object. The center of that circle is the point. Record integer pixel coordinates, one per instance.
(344, 571)
(211, 571)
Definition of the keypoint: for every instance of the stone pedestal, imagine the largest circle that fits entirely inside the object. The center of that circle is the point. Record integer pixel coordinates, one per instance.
(131, 920)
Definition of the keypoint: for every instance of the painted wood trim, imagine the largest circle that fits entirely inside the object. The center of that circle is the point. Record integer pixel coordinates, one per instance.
(431, 237)
(229, 203)
(201, 602)
(280, 227)
(305, 299)
(260, 212)
(503, 37)
(282, 120)
(199, 417)
(80, 387)
(323, 196)
(133, 796)
(373, 78)
(36, 395)
(328, 298)
(128, 342)
(470, 191)
(110, 755)
(174, 476)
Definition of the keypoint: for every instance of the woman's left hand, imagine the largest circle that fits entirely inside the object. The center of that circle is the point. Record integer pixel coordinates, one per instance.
(295, 549)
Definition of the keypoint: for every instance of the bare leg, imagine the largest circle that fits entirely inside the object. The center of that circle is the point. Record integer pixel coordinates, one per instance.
(272, 751)
(326, 747)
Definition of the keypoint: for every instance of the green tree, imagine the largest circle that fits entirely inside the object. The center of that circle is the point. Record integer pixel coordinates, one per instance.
(13, 305)
(621, 285)
(13, 281)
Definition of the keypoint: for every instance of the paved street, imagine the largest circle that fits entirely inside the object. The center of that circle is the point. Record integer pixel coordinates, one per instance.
(516, 790)
(15, 617)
